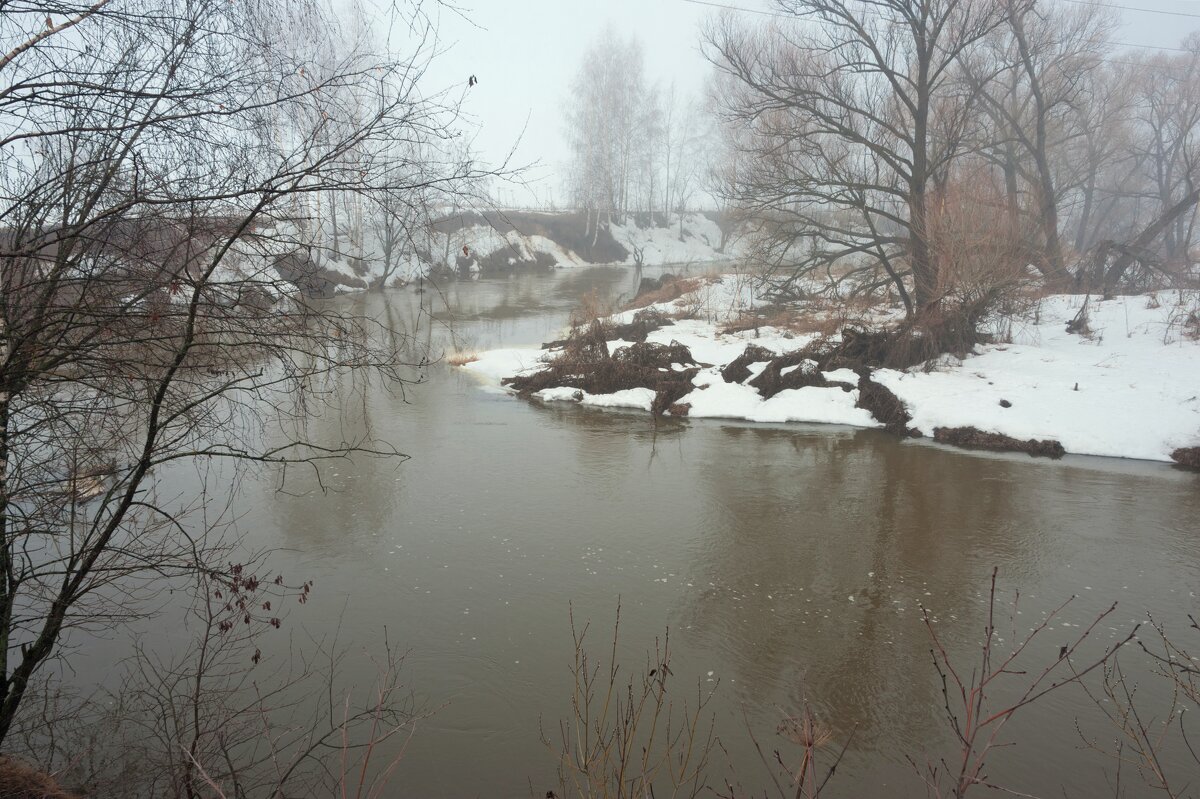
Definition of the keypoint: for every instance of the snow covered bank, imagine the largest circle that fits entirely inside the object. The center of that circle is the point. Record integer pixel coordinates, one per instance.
(693, 239)
(1131, 388)
(498, 242)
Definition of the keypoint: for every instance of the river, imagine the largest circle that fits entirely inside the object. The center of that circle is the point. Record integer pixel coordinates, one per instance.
(789, 562)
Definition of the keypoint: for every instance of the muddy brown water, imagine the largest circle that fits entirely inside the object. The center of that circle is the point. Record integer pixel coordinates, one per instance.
(788, 562)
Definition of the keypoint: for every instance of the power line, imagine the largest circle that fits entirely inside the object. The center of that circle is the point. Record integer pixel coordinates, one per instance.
(1133, 8)
(766, 13)
(1153, 47)
(743, 9)
(1139, 9)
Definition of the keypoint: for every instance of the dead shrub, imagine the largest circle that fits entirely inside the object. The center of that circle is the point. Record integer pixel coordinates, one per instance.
(1185, 318)
(644, 323)
(587, 343)
(982, 256)
(628, 737)
(978, 248)
(654, 356)
(462, 358)
(592, 305)
(19, 780)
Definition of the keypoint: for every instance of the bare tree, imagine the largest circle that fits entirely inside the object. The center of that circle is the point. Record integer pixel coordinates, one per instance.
(1167, 113)
(857, 118)
(1030, 78)
(609, 126)
(159, 162)
(684, 155)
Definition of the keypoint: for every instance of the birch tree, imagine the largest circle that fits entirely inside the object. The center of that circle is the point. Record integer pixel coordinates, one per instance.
(608, 123)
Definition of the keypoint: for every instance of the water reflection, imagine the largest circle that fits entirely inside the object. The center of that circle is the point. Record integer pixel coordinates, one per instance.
(789, 561)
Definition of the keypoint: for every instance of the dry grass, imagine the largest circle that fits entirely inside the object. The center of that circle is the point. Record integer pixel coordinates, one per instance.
(21, 781)
(820, 315)
(670, 290)
(791, 319)
(1184, 318)
(462, 358)
(592, 305)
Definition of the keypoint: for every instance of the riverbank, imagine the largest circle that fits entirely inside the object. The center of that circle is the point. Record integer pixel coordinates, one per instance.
(1128, 387)
(474, 244)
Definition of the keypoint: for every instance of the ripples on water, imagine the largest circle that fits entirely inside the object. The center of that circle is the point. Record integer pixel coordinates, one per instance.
(791, 562)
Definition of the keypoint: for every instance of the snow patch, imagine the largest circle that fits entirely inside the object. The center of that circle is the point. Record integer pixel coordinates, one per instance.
(1131, 389)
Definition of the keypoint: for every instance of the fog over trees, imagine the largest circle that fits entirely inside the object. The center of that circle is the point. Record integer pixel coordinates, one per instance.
(637, 146)
(889, 142)
(179, 179)
(171, 173)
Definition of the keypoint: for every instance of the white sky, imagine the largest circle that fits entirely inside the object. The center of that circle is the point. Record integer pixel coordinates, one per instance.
(525, 54)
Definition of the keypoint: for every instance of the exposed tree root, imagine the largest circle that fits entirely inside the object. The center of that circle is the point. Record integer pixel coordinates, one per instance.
(1187, 457)
(806, 373)
(885, 406)
(738, 369)
(585, 363)
(974, 438)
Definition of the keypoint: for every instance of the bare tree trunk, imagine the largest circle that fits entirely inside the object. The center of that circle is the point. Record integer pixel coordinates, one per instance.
(1010, 187)
(1144, 239)
(7, 592)
(1047, 198)
(924, 268)
(333, 221)
(1085, 215)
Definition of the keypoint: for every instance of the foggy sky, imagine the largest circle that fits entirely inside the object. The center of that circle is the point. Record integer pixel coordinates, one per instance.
(526, 52)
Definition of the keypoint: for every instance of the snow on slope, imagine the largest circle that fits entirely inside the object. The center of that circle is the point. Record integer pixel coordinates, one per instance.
(512, 247)
(488, 249)
(1131, 389)
(701, 237)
